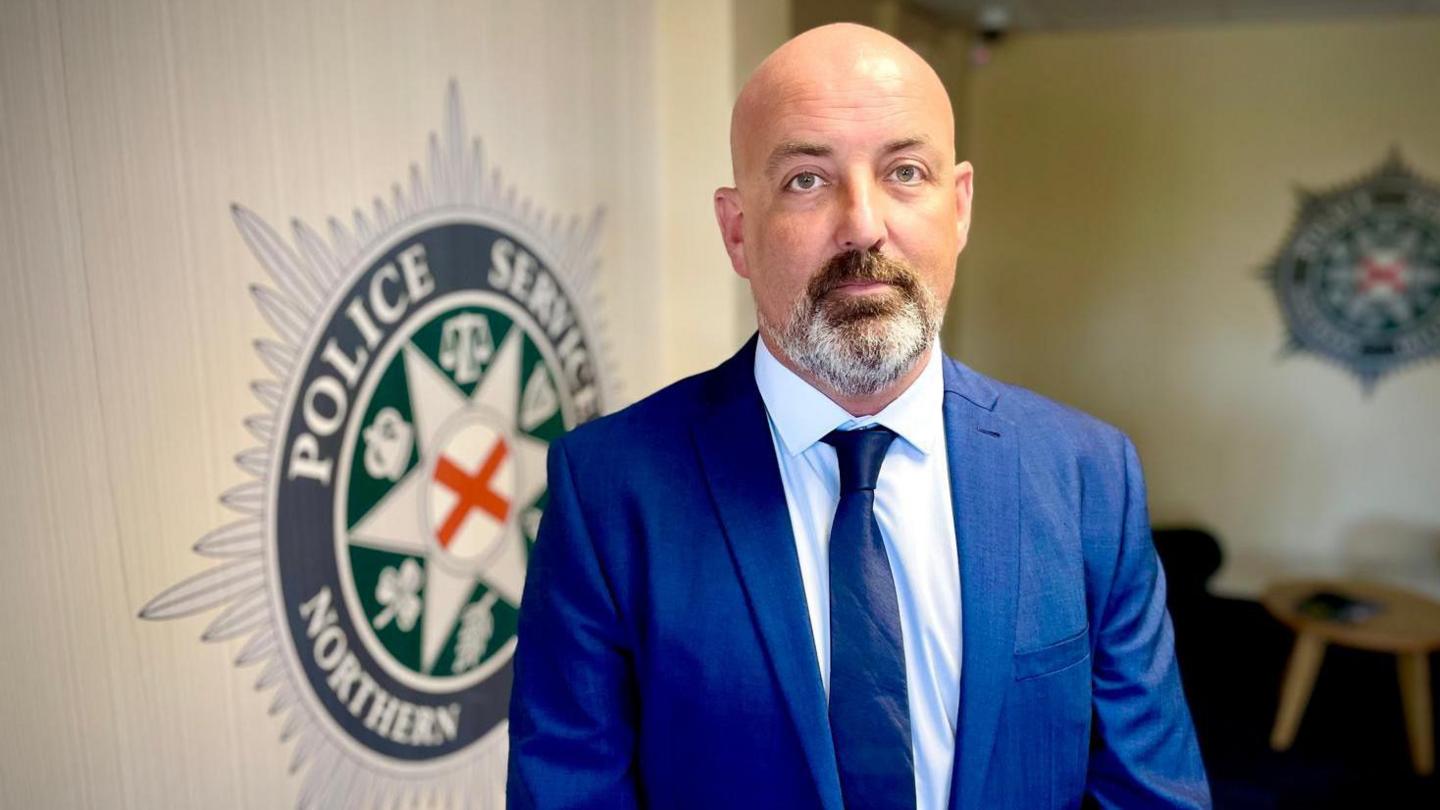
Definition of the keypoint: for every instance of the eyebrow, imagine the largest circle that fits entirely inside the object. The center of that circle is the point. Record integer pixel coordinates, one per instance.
(790, 149)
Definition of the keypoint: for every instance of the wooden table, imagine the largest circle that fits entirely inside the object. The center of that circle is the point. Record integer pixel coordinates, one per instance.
(1408, 627)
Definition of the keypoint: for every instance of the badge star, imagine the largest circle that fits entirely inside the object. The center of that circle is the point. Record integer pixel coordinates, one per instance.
(398, 522)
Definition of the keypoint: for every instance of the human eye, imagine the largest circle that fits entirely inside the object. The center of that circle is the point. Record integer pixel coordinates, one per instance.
(908, 174)
(804, 181)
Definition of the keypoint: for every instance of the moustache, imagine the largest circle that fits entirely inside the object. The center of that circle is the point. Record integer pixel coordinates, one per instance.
(859, 267)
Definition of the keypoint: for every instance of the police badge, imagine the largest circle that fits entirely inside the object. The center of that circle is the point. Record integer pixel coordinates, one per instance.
(425, 358)
(1358, 277)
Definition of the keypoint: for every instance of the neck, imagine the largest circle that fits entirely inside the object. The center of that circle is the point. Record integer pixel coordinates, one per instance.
(864, 404)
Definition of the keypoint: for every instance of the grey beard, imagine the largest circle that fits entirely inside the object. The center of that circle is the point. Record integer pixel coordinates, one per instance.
(858, 348)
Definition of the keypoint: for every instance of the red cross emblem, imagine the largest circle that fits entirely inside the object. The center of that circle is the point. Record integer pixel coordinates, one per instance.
(471, 491)
(1375, 273)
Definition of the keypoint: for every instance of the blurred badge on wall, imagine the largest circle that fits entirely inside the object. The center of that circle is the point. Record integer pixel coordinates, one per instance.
(1358, 276)
(424, 357)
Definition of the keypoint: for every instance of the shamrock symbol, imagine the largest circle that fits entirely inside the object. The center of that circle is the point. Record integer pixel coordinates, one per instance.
(399, 592)
(388, 441)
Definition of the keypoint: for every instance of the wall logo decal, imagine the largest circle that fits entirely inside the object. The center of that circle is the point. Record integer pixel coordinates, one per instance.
(424, 358)
(1358, 277)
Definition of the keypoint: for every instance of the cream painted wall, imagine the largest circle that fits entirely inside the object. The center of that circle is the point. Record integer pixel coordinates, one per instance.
(126, 132)
(1129, 187)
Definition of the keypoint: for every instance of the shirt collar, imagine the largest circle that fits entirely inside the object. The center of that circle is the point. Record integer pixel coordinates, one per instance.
(802, 415)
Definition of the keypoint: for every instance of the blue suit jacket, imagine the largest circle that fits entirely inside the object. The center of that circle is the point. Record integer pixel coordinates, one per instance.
(665, 657)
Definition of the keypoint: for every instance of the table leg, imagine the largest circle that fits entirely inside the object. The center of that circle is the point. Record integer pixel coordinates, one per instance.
(1299, 680)
(1419, 722)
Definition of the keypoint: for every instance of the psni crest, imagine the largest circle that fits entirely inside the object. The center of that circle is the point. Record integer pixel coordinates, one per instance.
(1358, 277)
(424, 359)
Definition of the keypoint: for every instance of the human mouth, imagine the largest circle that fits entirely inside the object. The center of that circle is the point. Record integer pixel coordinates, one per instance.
(861, 287)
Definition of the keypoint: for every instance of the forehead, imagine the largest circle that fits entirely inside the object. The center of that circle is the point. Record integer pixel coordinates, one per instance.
(859, 110)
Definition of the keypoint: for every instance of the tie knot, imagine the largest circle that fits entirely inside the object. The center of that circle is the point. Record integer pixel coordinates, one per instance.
(860, 453)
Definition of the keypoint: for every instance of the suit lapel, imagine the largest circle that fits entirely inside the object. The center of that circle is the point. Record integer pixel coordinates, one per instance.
(983, 455)
(738, 456)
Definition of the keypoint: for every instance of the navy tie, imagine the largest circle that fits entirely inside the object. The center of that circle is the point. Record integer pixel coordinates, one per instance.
(869, 706)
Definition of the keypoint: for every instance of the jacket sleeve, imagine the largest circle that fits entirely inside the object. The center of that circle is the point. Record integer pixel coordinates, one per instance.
(573, 709)
(1144, 751)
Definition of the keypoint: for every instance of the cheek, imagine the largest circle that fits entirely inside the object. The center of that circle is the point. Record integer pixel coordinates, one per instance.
(788, 251)
(930, 241)
(796, 235)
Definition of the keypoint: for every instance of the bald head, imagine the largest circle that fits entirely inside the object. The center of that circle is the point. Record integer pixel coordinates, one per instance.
(840, 69)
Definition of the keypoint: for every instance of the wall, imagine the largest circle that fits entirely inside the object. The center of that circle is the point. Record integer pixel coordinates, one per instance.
(1129, 186)
(126, 133)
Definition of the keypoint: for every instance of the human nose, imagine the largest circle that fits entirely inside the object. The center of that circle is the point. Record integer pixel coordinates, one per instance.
(862, 222)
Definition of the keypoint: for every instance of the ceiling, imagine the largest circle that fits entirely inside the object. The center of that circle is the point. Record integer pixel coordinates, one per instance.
(1088, 14)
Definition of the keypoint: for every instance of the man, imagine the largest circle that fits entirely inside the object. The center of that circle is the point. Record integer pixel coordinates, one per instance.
(841, 570)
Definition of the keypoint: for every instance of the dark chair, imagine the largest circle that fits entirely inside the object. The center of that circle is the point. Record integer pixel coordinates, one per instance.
(1190, 556)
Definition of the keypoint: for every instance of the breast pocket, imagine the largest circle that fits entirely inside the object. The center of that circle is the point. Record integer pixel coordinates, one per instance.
(1053, 657)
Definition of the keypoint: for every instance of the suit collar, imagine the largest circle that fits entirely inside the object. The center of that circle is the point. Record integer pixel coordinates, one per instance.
(962, 380)
(732, 437)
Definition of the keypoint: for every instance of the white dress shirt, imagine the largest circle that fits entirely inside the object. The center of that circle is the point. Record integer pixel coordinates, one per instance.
(913, 508)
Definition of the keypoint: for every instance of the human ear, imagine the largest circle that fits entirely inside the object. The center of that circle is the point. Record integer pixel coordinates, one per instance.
(964, 196)
(731, 219)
